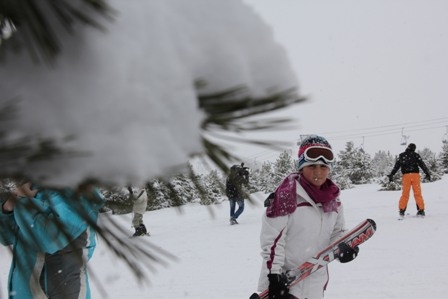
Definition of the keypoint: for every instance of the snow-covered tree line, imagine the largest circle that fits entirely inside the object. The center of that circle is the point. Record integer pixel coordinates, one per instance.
(178, 190)
(353, 167)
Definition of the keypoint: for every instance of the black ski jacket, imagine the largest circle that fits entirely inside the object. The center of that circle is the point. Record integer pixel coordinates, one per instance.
(409, 161)
(235, 181)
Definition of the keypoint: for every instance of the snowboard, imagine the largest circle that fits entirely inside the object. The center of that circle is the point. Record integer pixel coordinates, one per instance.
(356, 236)
(408, 215)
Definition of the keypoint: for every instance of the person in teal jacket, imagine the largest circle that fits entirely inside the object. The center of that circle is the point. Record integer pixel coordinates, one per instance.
(52, 236)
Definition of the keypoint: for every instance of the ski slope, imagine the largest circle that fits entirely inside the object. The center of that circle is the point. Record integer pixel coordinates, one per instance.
(404, 259)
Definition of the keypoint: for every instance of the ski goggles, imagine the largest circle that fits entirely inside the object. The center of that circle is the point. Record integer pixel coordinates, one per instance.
(315, 153)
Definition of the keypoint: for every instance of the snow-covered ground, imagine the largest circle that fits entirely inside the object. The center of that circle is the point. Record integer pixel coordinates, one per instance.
(404, 259)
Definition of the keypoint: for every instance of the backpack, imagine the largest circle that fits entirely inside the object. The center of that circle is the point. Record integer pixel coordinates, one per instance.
(238, 176)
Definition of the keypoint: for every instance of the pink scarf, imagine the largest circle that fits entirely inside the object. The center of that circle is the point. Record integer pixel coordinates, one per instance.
(327, 195)
(285, 198)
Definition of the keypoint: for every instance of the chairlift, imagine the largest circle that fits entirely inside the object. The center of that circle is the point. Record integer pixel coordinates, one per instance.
(404, 138)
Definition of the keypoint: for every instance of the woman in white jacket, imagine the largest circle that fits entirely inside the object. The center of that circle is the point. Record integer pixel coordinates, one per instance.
(140, 203)
(303, 217)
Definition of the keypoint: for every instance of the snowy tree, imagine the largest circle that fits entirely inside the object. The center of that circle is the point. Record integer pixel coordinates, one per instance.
(340, 176)
(386, 185)
(355, 164)
(184, 186)
(443, 156)
(214, 186)
(205, 189)
(384, 182)
(157, 195)
(108, 115)
(283, 166)
(254, 180)
(117, 199)
(433, 164)
(126, 92)
(381, 163)
(263, 178)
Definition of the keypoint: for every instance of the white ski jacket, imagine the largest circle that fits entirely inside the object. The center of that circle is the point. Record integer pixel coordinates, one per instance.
(140, 202)
(288, 241)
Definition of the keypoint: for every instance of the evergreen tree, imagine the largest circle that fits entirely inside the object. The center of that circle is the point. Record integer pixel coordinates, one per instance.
(117, 199)
(443, 156)
(386, 185)
(254, 181)
(283, 166)
(381, 163)
(355, 164)
(265, 178)
(185, 188)
(432, 163)
(157, 195)
(32, 28)
(214, 186)
(36, 31)
(340, 176)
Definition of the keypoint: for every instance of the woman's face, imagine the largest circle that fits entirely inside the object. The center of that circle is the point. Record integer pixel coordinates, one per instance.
(316, 174)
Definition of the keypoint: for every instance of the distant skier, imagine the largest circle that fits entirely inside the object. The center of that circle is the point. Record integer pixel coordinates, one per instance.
(304, 216)
(409, 162)
(140, 203)
(237, 179)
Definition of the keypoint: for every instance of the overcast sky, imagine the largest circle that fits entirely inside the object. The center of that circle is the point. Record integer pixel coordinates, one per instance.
(371, 69)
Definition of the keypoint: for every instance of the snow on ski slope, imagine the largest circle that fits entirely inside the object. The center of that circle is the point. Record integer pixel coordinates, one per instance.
(404, 259)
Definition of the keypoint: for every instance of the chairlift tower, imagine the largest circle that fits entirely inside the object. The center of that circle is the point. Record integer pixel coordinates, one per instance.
(362, 144)
(445, 137)
(404, 138)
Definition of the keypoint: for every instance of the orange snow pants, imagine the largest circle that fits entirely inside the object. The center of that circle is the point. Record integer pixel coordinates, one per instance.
(411, 180)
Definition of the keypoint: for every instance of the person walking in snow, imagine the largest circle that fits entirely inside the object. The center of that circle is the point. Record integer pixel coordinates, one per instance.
(304, 215)
(409, 161)
(140, 203)
(52, 239)
(237, 179)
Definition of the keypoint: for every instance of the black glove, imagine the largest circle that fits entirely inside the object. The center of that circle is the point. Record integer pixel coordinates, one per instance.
(428, 177)
(346, 253)
(278, 286)
(391, 178)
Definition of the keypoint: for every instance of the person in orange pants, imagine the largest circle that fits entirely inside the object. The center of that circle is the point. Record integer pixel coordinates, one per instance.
(410, 162)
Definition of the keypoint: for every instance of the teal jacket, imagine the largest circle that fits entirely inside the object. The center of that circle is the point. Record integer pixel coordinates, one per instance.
(44, 224)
